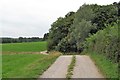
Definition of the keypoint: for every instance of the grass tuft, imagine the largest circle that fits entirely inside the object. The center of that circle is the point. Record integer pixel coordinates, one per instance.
(71, 67)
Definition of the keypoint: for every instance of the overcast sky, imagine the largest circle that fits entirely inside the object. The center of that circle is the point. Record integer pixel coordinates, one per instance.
(30, 18)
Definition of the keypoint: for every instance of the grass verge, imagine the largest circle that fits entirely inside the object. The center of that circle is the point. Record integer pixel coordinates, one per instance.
(26, 65)
(108, 68)
(71, 67)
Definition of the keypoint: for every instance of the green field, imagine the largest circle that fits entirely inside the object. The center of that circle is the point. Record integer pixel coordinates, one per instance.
(25, 47)
(26, 65)
(16, 64)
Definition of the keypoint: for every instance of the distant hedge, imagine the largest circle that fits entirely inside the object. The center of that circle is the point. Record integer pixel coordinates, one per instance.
(20, 39)
(104, 42)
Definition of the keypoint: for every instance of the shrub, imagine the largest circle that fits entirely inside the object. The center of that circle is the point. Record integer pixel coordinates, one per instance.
(104, 42)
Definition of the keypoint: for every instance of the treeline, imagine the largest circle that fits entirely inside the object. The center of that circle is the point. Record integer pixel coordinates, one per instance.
(20, 39)
(70, 33)
(24, 39)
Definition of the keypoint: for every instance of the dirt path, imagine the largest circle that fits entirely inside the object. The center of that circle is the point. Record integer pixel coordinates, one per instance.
(58, 69)
(44, 52)
(85, 68)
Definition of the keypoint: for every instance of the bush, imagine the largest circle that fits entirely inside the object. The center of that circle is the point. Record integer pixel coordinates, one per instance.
(104, 42)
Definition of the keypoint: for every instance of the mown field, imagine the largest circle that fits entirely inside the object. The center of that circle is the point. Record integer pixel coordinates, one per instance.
(26, 65)
(19, 60)
(25, 47)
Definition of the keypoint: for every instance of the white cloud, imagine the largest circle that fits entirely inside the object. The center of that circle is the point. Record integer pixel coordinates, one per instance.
(34, 17)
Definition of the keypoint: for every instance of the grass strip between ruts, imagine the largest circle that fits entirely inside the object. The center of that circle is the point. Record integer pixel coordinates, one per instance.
(71, 67)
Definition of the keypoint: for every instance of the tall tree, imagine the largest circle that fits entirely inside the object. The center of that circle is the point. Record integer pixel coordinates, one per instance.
(59, 30)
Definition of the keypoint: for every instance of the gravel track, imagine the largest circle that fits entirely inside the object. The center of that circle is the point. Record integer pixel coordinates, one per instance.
(85, 68)
(58, 69)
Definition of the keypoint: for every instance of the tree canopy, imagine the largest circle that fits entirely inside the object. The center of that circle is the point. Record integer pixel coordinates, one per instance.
(68, 34)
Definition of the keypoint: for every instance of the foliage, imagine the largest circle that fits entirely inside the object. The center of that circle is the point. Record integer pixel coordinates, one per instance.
(80, 28)
(67, 45)
(81, 32)
(105, 15)
(68, 34)
(45, 36)
(104, 42)
(59, 30)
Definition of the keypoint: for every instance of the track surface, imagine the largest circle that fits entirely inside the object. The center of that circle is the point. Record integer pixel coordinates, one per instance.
(85, 68)
(59, 68)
